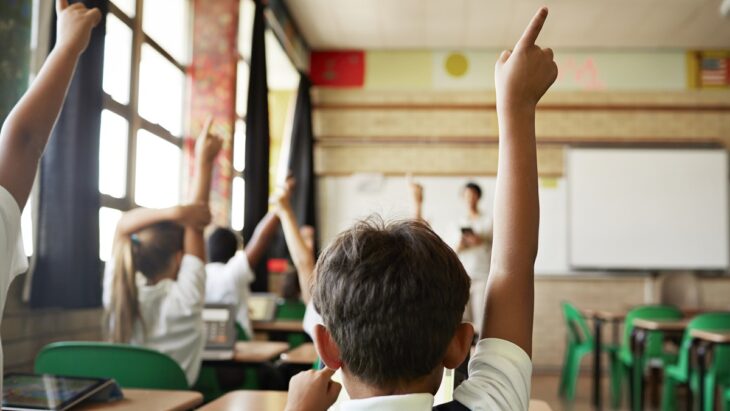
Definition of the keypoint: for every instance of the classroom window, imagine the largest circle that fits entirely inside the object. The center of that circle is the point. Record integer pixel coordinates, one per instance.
(140, 153)
(113, 154)
(237, 200)
(108, 219)
(161, 91)
(158, 171)
(239, 146)
(117, 59)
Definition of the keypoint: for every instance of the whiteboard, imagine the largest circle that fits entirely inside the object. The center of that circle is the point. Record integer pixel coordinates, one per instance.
(648, 208)
(343, 200)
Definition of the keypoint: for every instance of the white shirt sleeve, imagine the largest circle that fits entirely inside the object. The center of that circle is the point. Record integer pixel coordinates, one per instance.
(11, 241)
(240, 270)
(311, 319)
(499, 378)
(189, 289)
(108, 284)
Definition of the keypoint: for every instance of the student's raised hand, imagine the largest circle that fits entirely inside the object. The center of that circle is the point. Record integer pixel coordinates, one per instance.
(417, 192)
(208, 144)
(312, 391)
(195, 216)
(74, 25)
(523, 75)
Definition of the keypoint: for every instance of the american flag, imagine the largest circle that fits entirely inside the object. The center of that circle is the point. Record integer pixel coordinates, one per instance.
(715, 71)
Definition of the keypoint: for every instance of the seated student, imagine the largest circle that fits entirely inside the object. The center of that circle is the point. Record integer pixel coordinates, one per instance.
(229, 270)
(392, 296)
(154, 286)
(26, 131)
(300, 242)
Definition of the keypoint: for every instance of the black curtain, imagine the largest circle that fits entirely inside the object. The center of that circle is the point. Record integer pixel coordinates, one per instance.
(68, 270)
(301, 157)
(256, 172)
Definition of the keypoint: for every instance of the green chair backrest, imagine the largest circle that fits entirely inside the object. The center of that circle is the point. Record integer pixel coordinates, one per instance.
(708, 321)
(130, 366)
(290, 310)
(241, 334)
(650, 312)
(578, 331)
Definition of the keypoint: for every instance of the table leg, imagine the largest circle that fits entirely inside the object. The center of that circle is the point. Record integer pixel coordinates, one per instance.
(598, 339)
(702, 349)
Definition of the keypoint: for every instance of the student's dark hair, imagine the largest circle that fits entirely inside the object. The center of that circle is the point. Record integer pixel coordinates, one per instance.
(222, 245)
(150, 252)
(392, 296)
(474, 186)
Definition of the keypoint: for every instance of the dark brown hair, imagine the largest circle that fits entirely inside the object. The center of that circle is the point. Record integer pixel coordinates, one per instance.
(150, 251)
(391, 295)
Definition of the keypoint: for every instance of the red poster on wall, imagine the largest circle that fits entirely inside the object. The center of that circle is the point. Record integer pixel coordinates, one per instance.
(338, 68)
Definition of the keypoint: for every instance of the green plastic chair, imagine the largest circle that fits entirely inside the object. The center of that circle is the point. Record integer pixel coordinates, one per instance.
(653, 346)
(292, 310)
(241, 334)
(130, 366)
(580, 341)
(718, 371)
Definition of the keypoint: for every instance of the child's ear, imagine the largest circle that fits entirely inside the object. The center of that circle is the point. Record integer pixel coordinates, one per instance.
(327, 349)
(459, 346)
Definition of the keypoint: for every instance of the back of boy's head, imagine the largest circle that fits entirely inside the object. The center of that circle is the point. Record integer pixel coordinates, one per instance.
(391, 296)
(222, 245)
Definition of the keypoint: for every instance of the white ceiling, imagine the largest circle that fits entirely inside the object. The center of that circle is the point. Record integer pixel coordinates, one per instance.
(489, 24)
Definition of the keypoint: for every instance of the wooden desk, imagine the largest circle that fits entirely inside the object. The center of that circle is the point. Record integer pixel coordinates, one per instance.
(276, 401)
(705, 340)
(136, 399)
(661, 325)
(305, 354)
(258, 351)
(289, 326)
(600, 317)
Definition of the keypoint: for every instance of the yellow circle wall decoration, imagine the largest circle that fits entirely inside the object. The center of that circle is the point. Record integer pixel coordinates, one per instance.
(457, 64)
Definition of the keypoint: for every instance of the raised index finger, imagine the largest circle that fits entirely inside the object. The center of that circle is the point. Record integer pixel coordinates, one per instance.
(61, 5)
(533, 29)
(207, 125)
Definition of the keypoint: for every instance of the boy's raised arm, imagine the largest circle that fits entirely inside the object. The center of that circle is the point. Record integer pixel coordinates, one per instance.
(521, 78)
(207, 147)
(26, 130)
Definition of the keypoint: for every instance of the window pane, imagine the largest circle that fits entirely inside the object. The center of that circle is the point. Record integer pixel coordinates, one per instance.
(108, 219)
(237, 202)
(245, 27)
(242, 88)
(239, 145)
(117, 59)
(26, 227)
(166, 21)
(280, 72)
(157, 182)
(113, 154)
(127, 6)
(161, 91)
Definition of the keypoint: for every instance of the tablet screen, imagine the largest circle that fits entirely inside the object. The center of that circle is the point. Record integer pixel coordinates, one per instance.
(43, 391)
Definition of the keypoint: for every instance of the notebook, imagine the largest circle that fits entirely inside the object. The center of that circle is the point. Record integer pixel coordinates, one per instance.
(220, 332)
(49, 392)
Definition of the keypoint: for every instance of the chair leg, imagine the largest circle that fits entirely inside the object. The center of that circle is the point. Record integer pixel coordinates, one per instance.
(572, 377)
(564, 371)
(709, 392)
(637, 402)
(616, 380)
(669, 394)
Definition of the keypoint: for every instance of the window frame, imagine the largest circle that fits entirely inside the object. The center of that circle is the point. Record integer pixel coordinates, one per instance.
(130, 111)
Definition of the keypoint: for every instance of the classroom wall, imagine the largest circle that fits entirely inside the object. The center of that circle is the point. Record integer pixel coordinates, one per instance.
(25, 331)
(406, 117)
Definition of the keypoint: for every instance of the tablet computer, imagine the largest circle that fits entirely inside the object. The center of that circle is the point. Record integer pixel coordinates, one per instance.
(48, 392)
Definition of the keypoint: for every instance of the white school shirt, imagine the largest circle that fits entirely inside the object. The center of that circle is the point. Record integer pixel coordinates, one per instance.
(311, 319)
(230, 283)
(172, 313)
(499, 380)
(476, 260)
(12, 255)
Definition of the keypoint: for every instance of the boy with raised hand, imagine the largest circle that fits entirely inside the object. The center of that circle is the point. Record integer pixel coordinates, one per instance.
(392, 295)
(26, 130)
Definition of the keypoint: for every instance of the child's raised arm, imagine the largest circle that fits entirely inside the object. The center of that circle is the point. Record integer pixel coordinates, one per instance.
(261, 238)
(193, 215)
(206, 149)
(521, 78)
(302, 255)
(26, 130)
